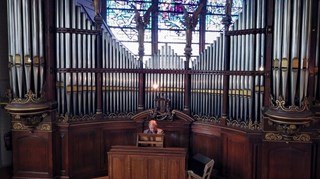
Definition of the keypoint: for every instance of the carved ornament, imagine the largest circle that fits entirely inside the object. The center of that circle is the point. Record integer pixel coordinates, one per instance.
(270, 136)
(30, 97)
(245, 125)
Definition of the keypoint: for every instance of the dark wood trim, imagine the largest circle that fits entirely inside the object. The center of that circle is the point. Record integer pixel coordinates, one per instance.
(78, 31)
(154, 27)
(50, 50)
(268, 50)
(226, 22)
(313, 49)
(246, 32)
(202, 27)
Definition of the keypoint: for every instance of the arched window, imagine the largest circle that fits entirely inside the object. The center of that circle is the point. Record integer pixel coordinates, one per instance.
(165, 25)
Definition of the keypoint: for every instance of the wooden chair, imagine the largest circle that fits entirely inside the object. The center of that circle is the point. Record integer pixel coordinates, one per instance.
(206, 173)
(150, 140)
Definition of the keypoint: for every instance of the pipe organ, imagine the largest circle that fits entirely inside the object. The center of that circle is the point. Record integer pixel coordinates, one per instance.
(291, 51)
(76, 92)
(246, 55)
(169, 86)
(248, 90)
(206, 89)
(26, 51)
(77, 70)
(120, 90)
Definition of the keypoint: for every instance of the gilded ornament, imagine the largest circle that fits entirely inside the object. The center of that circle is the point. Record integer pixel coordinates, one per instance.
(280, 105)
(19, 126)
(44, 127)
(273, 137)
(30, 97)
(302, 137)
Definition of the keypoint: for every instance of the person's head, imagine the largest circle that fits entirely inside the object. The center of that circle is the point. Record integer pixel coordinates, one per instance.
(153, 125)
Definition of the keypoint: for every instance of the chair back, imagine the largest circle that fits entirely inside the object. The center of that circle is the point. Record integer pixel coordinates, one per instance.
(150, 140)
(208, 169)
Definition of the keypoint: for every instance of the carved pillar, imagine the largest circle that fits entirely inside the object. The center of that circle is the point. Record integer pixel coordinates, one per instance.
(226, 21)
(291, 112)
(99, 20)
(32, 103)
(190, 23)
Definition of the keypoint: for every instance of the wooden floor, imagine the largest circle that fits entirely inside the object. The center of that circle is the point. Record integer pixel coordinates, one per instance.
(5, 173)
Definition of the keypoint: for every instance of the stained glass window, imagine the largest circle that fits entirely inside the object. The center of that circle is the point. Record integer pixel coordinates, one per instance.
(170, 29)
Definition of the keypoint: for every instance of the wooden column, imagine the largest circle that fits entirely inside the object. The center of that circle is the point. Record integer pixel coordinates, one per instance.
(313, 45)
(268, 51)
(98, 21)
(226, 22)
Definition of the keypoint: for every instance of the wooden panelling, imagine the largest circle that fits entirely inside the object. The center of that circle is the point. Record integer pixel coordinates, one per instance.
(147, 162)
(210, 146)
(80, 151)
(231, 149)
(118, 161)
(32, 154)
(286, 160)
(156, 165)
(85, 147)
(236, 156)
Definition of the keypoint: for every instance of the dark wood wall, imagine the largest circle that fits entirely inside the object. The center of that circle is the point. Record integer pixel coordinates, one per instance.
(286, 160)
(81, 149)
(83, 146)
(236, 153)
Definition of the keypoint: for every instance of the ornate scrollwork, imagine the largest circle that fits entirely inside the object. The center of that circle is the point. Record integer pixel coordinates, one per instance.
(118, 115)
(19, 126)
(44, 127)
(280, 105)
(162, 110)
(302, 137)
(30, 122)
(287, 128)
(206, 118)
(243, 124)
(69, 118)
(30, 97)
(270, 136)
(273, 136)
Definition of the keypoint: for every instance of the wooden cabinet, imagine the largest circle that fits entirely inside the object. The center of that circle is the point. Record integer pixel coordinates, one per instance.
(131, 162)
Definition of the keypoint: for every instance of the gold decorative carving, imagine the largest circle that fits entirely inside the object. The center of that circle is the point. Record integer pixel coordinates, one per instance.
(273, 136)
(44, 127)
(302, 137)
(212, 119)
(270, 136)
(30, 97)
(280, 105)
(68, 118)
(19, 126)
(162, 110)
(29, 122)
(243, 124)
